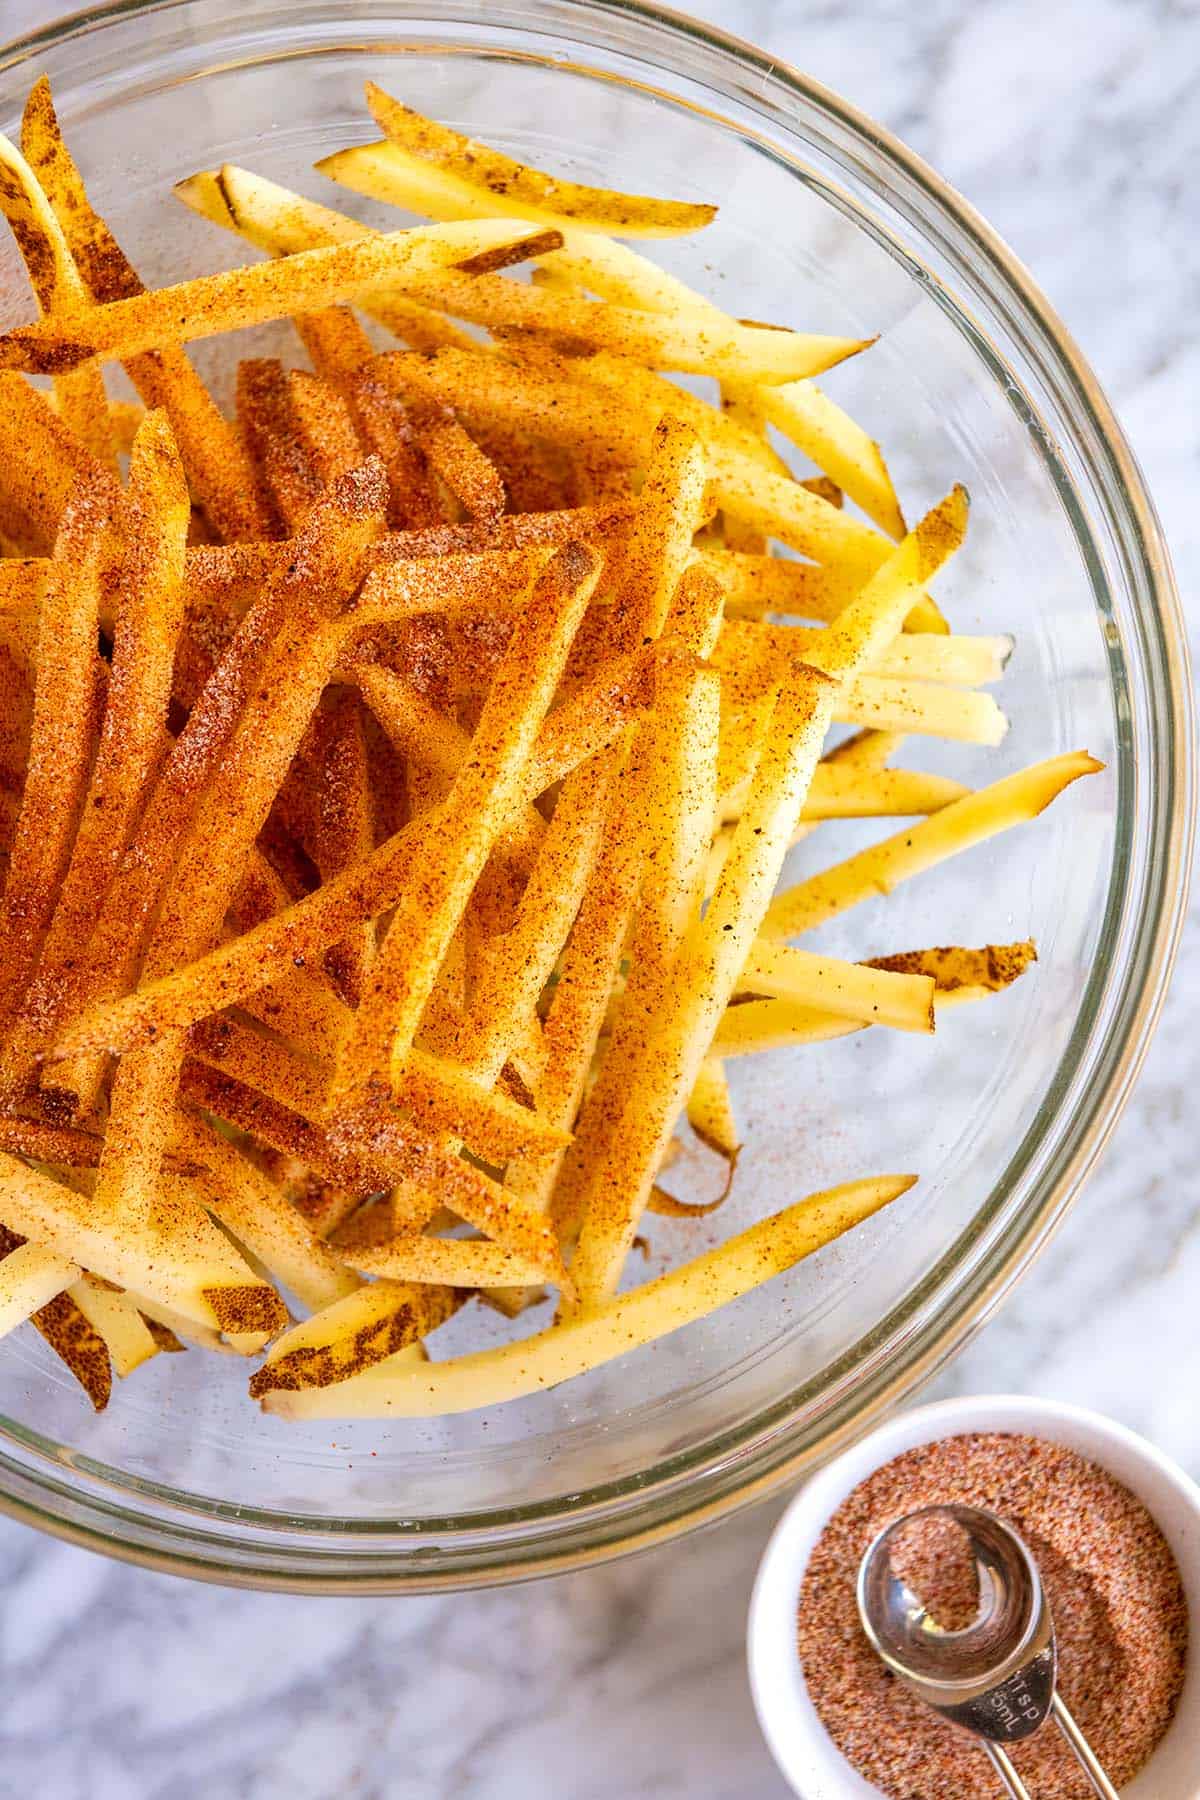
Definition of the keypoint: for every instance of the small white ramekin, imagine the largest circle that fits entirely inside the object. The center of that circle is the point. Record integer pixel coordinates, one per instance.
(805, 1753)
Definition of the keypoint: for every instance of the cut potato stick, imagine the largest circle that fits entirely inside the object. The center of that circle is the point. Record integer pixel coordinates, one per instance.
(196, 1273)
(352, 1334)
(41, 463)
(466, 471)
(288, 483)
(840, 792)
(958, 974)
(384, 427)
(60, 291)
(238, 794)
(488, 182)
(280, 222)
(618, 1325)
(876, 996)
(838, 446)
(616, 1186)
(921, 707)
(453, 1262)
(388, 1151)
(882, 867)
(758, 585)
(236, 299)
(62, 741)
(261, 1218)
(479, 387)
(114, 1318)
(30, 1277)
(132, 733)
(959, 660)
(218, 471)
(461, 835)
(710, 1110)
(232, 810)
(74, 1340)
(693, 344)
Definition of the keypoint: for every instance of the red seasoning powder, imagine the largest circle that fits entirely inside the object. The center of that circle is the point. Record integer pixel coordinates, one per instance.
(1120, 1618)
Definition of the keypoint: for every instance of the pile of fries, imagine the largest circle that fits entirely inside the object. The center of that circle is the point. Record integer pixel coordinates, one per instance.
(396, 778)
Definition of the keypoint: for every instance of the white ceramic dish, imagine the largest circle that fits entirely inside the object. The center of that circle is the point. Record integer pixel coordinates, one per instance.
(805, 1753)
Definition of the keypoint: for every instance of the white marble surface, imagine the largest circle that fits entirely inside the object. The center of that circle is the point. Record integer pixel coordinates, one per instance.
(1075, 126)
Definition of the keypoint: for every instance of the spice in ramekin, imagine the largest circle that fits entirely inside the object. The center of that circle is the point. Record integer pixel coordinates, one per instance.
(1119, 1609)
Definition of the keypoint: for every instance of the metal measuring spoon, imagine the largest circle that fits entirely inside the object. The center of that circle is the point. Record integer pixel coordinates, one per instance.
(996, 1677)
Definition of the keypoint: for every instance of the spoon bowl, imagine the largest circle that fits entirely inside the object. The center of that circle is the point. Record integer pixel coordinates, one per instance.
(993, 1677)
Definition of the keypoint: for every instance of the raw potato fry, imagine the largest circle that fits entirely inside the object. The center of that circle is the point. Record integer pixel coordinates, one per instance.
(958, 974)
(836, 444)
(76, 1343)
(463, 467)
(876, 996)
(41, 463)
(710, 1110)
(148, 616)
(839, 791)
(61, 744)
(490, 182)
(255, 1212)
(615, 1327)
(462, 835)
(394, 783)
(220, 475)
(30, 1277)
(346, 1338)
(280, 222)
(617, 1185)
(114, 1318)
(60, 291)
(454, 1262)
(235, 299)
(879, 869)
(196, 1273)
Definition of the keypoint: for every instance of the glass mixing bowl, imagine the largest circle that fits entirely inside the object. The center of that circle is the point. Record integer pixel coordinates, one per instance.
(828, 223)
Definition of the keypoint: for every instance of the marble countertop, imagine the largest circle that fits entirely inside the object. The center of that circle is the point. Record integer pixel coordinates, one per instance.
(1074, 126)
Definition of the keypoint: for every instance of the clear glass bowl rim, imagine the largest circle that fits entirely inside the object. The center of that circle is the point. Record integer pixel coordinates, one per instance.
(230, 1545)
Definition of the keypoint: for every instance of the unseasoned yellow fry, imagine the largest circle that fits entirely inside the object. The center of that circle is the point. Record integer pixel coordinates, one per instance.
(710, 1110)
(827, 983)
(958, 974)
(882, 867)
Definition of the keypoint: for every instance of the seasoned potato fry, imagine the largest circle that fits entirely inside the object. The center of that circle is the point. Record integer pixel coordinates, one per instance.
(488, 183)
(613, 1328)
(396, 777)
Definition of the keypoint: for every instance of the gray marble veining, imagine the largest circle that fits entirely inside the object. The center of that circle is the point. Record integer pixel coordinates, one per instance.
(1074, 125)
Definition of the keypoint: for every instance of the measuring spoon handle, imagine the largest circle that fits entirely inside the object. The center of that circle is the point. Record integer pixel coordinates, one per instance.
(1084, 1754)
(1014, 1787)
